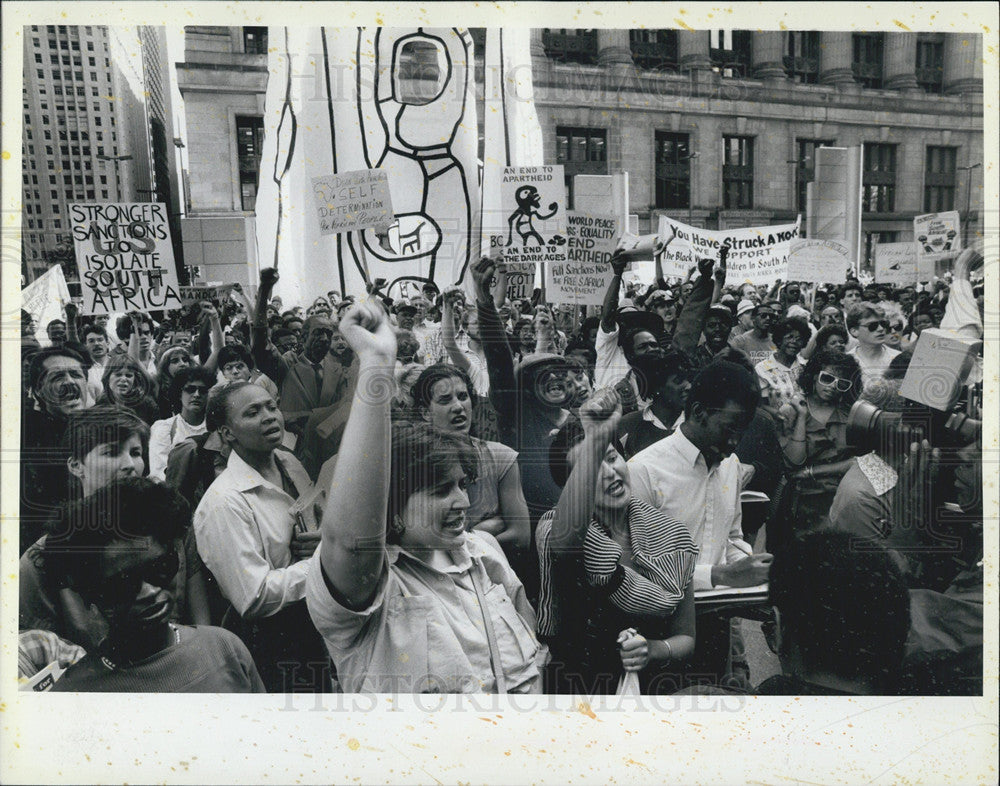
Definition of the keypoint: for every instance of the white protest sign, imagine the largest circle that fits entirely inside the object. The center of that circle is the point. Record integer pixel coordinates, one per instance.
(349, 201)
(45, 299)
(586, 274)
(533, 203)
(757, 255)
(819, 261)
(124, 256)
(937, 235)
(896, 263)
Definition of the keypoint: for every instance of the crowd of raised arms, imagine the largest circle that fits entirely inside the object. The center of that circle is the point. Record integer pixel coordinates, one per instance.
(452, 492)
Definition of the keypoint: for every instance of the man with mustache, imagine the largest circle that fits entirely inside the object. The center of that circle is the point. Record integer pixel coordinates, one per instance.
(57, 386)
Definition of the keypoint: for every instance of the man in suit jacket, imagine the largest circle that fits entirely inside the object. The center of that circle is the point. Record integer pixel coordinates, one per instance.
(310, 380)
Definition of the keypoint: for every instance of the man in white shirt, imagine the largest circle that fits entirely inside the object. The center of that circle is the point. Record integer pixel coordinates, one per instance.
(693, 476)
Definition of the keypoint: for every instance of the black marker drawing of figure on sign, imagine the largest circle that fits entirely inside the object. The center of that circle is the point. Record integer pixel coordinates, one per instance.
(411, 119)
(522, 219)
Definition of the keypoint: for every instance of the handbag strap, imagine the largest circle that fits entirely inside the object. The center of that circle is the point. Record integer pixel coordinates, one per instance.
(491, 638)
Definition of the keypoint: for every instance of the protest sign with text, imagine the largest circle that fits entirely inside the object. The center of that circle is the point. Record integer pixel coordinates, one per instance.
(124, 256)
(937, 235)
(355, 200)
(757, 255)
(198, 292)
(896, 263)
(586, 274)
(533, 207)
(819, 261)
(45, 299)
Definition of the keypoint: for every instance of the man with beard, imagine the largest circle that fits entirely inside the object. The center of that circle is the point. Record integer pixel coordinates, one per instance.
(57, 386)
(311, 380)
(757, 343)
(718, 326)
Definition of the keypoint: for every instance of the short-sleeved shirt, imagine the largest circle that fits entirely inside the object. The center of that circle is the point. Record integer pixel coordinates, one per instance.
(757, 349)
(423, 632)
(495, 461)
(202, 660)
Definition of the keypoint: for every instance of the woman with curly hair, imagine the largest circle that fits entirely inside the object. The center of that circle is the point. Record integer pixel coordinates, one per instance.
(127, 384)
(171, 361)
(816, 453)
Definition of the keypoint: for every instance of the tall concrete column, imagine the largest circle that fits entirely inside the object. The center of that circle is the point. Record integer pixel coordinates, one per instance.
(963, 71)
(768, 53)
(536, 45)
(693, 50)
(613, 48)
(901, 61)
(836, 54)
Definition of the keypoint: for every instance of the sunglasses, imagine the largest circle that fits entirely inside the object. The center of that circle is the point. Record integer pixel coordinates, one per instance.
(124, 587)
(843, 385)
(875, 324)
(192, 389)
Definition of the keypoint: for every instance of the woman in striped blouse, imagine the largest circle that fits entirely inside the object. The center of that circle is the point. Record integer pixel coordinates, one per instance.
(616, 574)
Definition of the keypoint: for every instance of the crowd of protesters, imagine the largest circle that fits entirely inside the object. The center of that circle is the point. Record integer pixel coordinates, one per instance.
(453, 492)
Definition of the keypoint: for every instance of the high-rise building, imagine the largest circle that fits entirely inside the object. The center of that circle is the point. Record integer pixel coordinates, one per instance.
(160, 119)
(84, 137)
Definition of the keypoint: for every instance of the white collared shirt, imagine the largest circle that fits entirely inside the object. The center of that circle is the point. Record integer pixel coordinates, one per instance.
(244, 526)
(673, 477)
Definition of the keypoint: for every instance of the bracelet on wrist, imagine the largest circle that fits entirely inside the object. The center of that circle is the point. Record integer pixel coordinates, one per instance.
(670, 650)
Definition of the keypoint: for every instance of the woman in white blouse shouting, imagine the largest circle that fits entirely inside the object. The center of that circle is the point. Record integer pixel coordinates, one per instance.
(400, 594)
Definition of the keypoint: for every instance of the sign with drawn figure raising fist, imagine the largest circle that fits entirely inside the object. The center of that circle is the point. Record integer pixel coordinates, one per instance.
(531, 227)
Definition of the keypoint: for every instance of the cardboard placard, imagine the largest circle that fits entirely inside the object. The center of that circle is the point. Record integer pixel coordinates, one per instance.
(896, 263)
(586, 274)
(937, 235)
(124, 256)
(350, 201)
(818, 261)
(533, 205)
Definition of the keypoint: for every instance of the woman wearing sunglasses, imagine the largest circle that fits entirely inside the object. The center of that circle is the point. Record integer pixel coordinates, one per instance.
(126, 566)
(816, 452)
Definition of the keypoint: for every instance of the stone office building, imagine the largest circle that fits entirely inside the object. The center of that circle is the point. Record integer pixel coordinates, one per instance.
(719, 127)
(714, 127)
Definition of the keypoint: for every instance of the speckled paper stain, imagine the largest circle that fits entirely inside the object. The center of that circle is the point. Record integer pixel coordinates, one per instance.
(485, 739)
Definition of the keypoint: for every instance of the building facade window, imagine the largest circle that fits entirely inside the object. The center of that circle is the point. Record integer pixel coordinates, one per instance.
(255, 40)
(729, 51)
(581, 151)
(673, 170)
(654, 49)
(805, 166)
(802, 59)
(570, 45)
(867, 58)
(879, 178)
(940, 179)
(737, 172)
(930, 61)
(249, 145)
